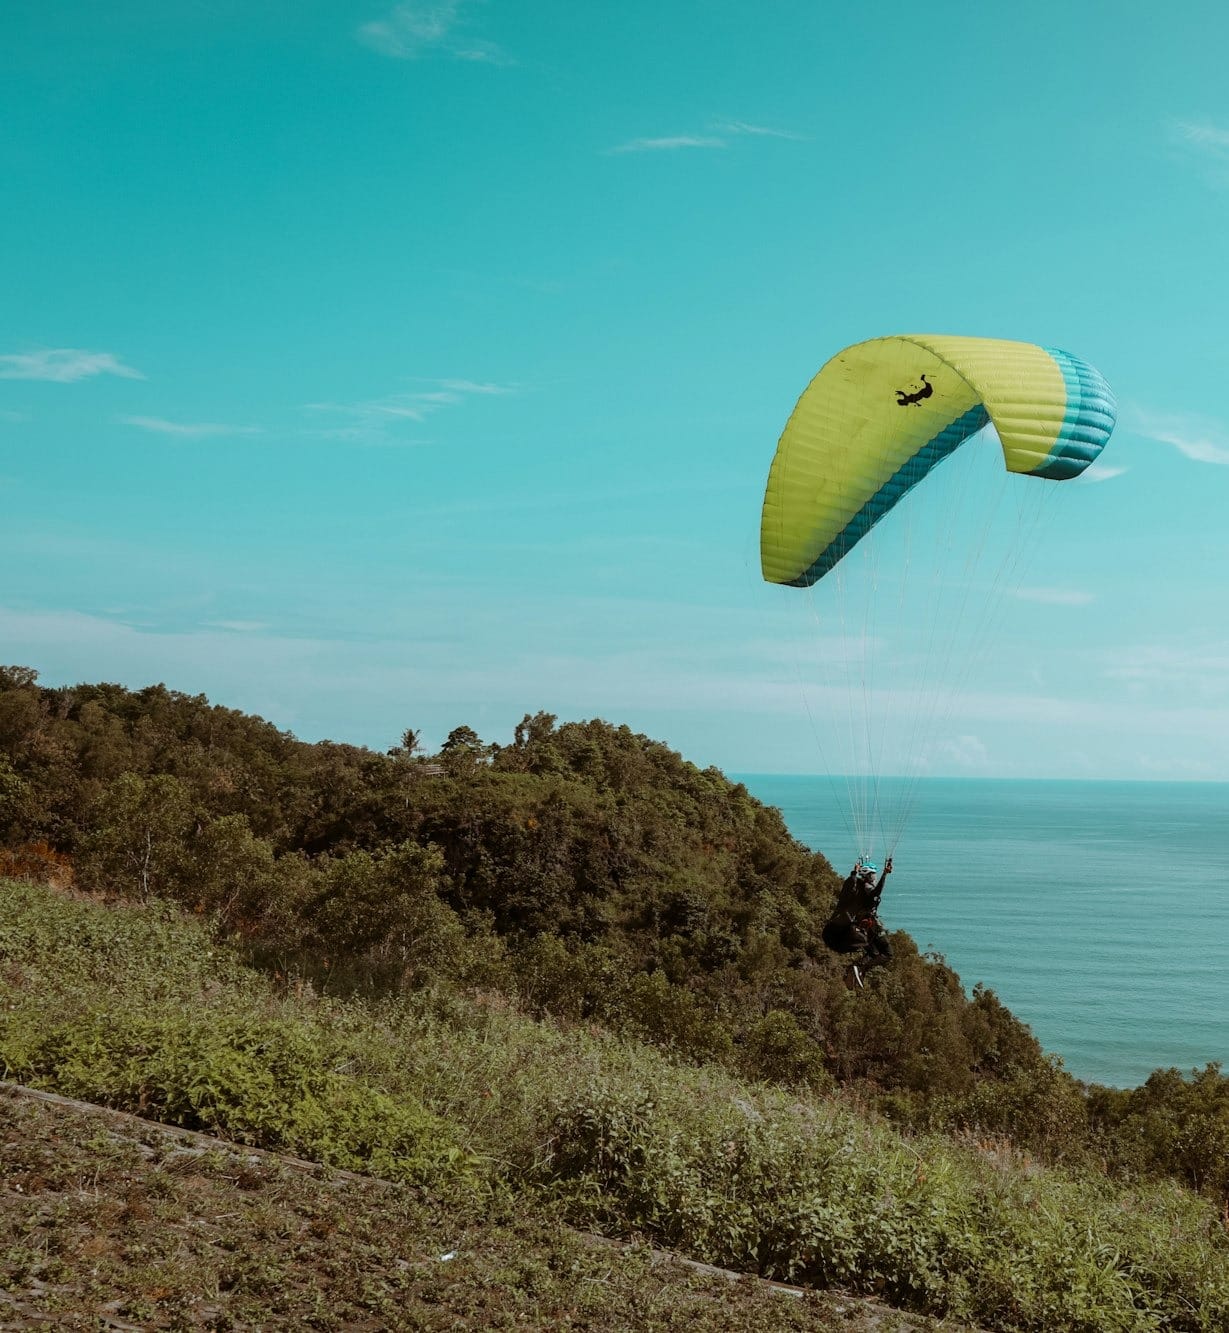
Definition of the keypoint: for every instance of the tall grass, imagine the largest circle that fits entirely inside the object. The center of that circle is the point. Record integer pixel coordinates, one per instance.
(139, 1008)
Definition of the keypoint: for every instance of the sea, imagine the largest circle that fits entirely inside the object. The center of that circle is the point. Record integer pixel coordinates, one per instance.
(1098, 912)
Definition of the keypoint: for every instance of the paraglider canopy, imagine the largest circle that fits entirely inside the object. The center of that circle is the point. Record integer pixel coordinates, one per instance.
(898, 626)
(882, 414)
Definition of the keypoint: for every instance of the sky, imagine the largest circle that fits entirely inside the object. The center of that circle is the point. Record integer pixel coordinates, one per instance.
(373, 366)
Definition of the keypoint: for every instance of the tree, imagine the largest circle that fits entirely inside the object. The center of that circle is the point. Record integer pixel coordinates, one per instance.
(463, 751)
(13, 796)
(17, 677)
(138, 842)
(532, 748)
(383, 912)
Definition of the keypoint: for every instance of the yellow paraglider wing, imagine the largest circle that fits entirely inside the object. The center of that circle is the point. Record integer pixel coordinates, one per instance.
(882, 414)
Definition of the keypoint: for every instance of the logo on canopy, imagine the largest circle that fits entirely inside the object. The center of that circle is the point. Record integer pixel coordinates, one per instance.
(906, 399)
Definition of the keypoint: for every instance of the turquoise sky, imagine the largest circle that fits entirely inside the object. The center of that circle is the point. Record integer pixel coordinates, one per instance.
(370, 366)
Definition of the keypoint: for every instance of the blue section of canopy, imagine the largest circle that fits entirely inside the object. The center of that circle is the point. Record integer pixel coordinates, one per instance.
(1089, 419)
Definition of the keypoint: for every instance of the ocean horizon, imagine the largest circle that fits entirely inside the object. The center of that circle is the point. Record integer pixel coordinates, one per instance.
(1097, 911)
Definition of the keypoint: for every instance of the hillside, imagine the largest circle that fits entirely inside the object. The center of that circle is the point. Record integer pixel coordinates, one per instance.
(492, 1128)
(593, 870)
(571, 973)
(181, 1230)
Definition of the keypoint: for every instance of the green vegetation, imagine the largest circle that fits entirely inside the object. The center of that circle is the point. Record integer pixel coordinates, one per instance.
(572, 972)
(128, 1009)
(589, 871)
(503, 1115)
(108, 1223)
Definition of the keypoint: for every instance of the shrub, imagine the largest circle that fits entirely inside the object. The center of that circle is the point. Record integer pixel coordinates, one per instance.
(777, 1049)
(264, 1082)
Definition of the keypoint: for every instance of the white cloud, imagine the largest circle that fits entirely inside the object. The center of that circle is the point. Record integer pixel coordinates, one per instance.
(668, 144)
(1177, 768)
(394, 406)
(414, 30)
(966, 752)
(742, 127)
(1201, 134)
(1055, 596)
(1208, 145)
(471, 386)
(185, 429)
(369, 420)
(1097, 472)
(484, 53)
(349, 677)
(1185, 671)
(1196, 438)
(62, 365)
(722, 131)
(370, 434)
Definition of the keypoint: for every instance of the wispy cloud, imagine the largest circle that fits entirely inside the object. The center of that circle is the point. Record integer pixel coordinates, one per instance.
(1055, 596)
(1194, 672)
(1197, 438)
(718, 136)
(62, 365)
(346, 668)
(369, 421)
(764, 131)
(413, 31)
(1097, 472)
(1208, 145)
(462, 387)
(1201, 134)
(667, 144)
(188, 430)
(965, 752)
